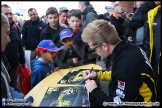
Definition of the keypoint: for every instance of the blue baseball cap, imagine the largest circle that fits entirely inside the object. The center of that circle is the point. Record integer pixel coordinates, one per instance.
(66, 33)
(47, 45)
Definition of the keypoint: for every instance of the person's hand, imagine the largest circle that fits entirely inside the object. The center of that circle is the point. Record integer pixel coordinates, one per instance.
(86, 75)
(90, 85)
(56, 69)
(75, 60)
(24, 48)
(130, 39)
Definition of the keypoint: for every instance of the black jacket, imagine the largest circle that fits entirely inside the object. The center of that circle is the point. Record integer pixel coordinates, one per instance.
(132, 77)
(14, 50)
(31, 33)
(119, 25)
(140, 19)
(49, 33)
(64, 57)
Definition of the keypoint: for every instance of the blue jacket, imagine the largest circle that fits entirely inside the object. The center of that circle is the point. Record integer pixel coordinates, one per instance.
(31, 33)
(41, 70)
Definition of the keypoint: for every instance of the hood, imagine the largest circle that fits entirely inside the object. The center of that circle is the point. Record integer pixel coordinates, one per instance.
(37, 62)
(89, 7)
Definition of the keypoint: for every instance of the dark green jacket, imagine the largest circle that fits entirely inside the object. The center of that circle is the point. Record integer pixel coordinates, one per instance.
(91, 16)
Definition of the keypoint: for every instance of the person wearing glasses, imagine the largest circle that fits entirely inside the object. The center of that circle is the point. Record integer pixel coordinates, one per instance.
(31, 32)
(70, 55)
(131, 77)
(45, 64)
(117, 19)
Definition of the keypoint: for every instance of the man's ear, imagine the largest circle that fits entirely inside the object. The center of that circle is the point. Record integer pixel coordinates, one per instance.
(105, 46)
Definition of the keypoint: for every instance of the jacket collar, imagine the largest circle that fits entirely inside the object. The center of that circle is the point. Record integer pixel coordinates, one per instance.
(48, 28)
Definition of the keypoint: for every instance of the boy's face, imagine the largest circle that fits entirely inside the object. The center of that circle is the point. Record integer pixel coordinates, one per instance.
(48, 56)
(67, 42)
(74, 22)
(52, 19)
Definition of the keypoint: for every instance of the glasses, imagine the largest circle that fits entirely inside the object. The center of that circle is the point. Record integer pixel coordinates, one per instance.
(121, 13)
(94, 49)
(32, 14)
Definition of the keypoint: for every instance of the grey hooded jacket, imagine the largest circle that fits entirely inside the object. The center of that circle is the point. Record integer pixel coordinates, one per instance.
(91, 16)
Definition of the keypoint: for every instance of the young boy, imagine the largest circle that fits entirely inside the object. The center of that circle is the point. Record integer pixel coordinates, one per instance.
(45, 65)
(74, 20)
(53, 27)
(70, 55)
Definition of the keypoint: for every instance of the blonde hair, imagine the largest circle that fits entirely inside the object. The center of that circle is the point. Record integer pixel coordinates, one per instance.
(4, 19)
(117, 9)
(100, 31)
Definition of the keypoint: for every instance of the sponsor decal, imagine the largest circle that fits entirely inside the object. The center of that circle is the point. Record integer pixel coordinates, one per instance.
(117, 99)
(63, 32)
(120, 93)
(51, 43)
(121, 85)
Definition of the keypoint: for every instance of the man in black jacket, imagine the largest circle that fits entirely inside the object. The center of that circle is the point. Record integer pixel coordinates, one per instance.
(31, 32)
(131, 77)
(14, 50)
(117, 19)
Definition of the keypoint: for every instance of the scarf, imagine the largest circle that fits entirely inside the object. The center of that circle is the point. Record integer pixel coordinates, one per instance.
(75, 30)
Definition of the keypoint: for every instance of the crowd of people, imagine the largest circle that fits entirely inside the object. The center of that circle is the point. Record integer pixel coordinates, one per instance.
(129, 42)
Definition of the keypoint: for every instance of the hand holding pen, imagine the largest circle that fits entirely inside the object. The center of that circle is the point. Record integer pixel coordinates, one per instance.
(89, 74)
(90, 84)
